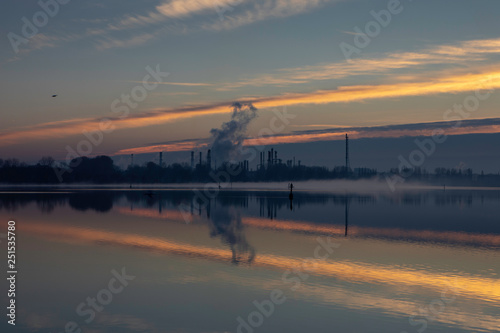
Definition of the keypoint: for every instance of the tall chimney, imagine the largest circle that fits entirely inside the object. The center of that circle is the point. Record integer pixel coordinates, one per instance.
(161, 159)
(192, 159)
(209, 159)
(347, 164)
(200, 158)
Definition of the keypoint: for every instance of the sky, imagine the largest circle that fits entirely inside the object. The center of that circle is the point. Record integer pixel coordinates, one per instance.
(386, 72)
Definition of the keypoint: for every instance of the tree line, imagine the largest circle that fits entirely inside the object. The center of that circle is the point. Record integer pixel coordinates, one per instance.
(102, 170)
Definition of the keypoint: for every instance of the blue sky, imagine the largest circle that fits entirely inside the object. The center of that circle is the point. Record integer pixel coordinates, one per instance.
(275, 53)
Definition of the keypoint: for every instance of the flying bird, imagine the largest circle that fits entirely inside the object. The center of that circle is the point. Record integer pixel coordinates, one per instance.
(54, 95)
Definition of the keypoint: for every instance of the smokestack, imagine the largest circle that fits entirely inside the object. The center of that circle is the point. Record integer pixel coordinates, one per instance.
(192, 159)
(347, 163)
(268, 158)
(200, 158)
(209, 159)
(272, 155)
(131, 160)
(276, 157)
(161, 159)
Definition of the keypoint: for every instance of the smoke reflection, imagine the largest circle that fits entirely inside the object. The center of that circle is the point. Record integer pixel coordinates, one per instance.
(226, 224)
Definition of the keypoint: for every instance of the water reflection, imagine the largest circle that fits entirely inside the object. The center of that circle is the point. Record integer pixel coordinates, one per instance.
(226, 224)
(433, 216)
(399, 253)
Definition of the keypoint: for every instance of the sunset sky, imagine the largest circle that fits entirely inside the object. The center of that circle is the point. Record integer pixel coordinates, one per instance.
(429, 58)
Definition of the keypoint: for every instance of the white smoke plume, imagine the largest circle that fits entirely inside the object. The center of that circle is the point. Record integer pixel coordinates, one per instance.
(228, 139)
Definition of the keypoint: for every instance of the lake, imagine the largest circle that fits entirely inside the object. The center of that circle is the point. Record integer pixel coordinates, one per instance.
(252, 260)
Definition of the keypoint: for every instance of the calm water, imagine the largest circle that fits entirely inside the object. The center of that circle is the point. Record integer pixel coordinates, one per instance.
(248, 261)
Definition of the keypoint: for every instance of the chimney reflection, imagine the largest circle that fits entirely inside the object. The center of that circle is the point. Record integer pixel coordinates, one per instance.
(346, 214)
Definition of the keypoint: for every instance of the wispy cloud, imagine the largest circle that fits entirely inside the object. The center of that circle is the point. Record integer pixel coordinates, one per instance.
(462, 55)
(472, 126)
(445, 85)
(109, 42)
(184, 8)
(173, 9)
(168, 16)
(72, 127)
(185, 84)
(41, 41)
(180, 93)
(264, 10)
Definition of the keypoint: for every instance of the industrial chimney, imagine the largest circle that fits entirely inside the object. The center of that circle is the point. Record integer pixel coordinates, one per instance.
(347, 163)
(209, 159)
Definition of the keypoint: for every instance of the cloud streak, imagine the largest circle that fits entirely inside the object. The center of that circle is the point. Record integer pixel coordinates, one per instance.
(211, 16)
(473, 126)
(460, 54)
(183, 84)
(445, 85)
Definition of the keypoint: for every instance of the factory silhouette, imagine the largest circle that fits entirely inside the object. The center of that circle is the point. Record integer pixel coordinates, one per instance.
(270, 167)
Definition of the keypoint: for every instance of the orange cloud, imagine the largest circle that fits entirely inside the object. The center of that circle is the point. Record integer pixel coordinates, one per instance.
(332, 135)
(452, 84)
(463, 53)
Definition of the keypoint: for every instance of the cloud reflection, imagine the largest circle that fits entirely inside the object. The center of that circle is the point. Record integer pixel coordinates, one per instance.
(474, 287)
